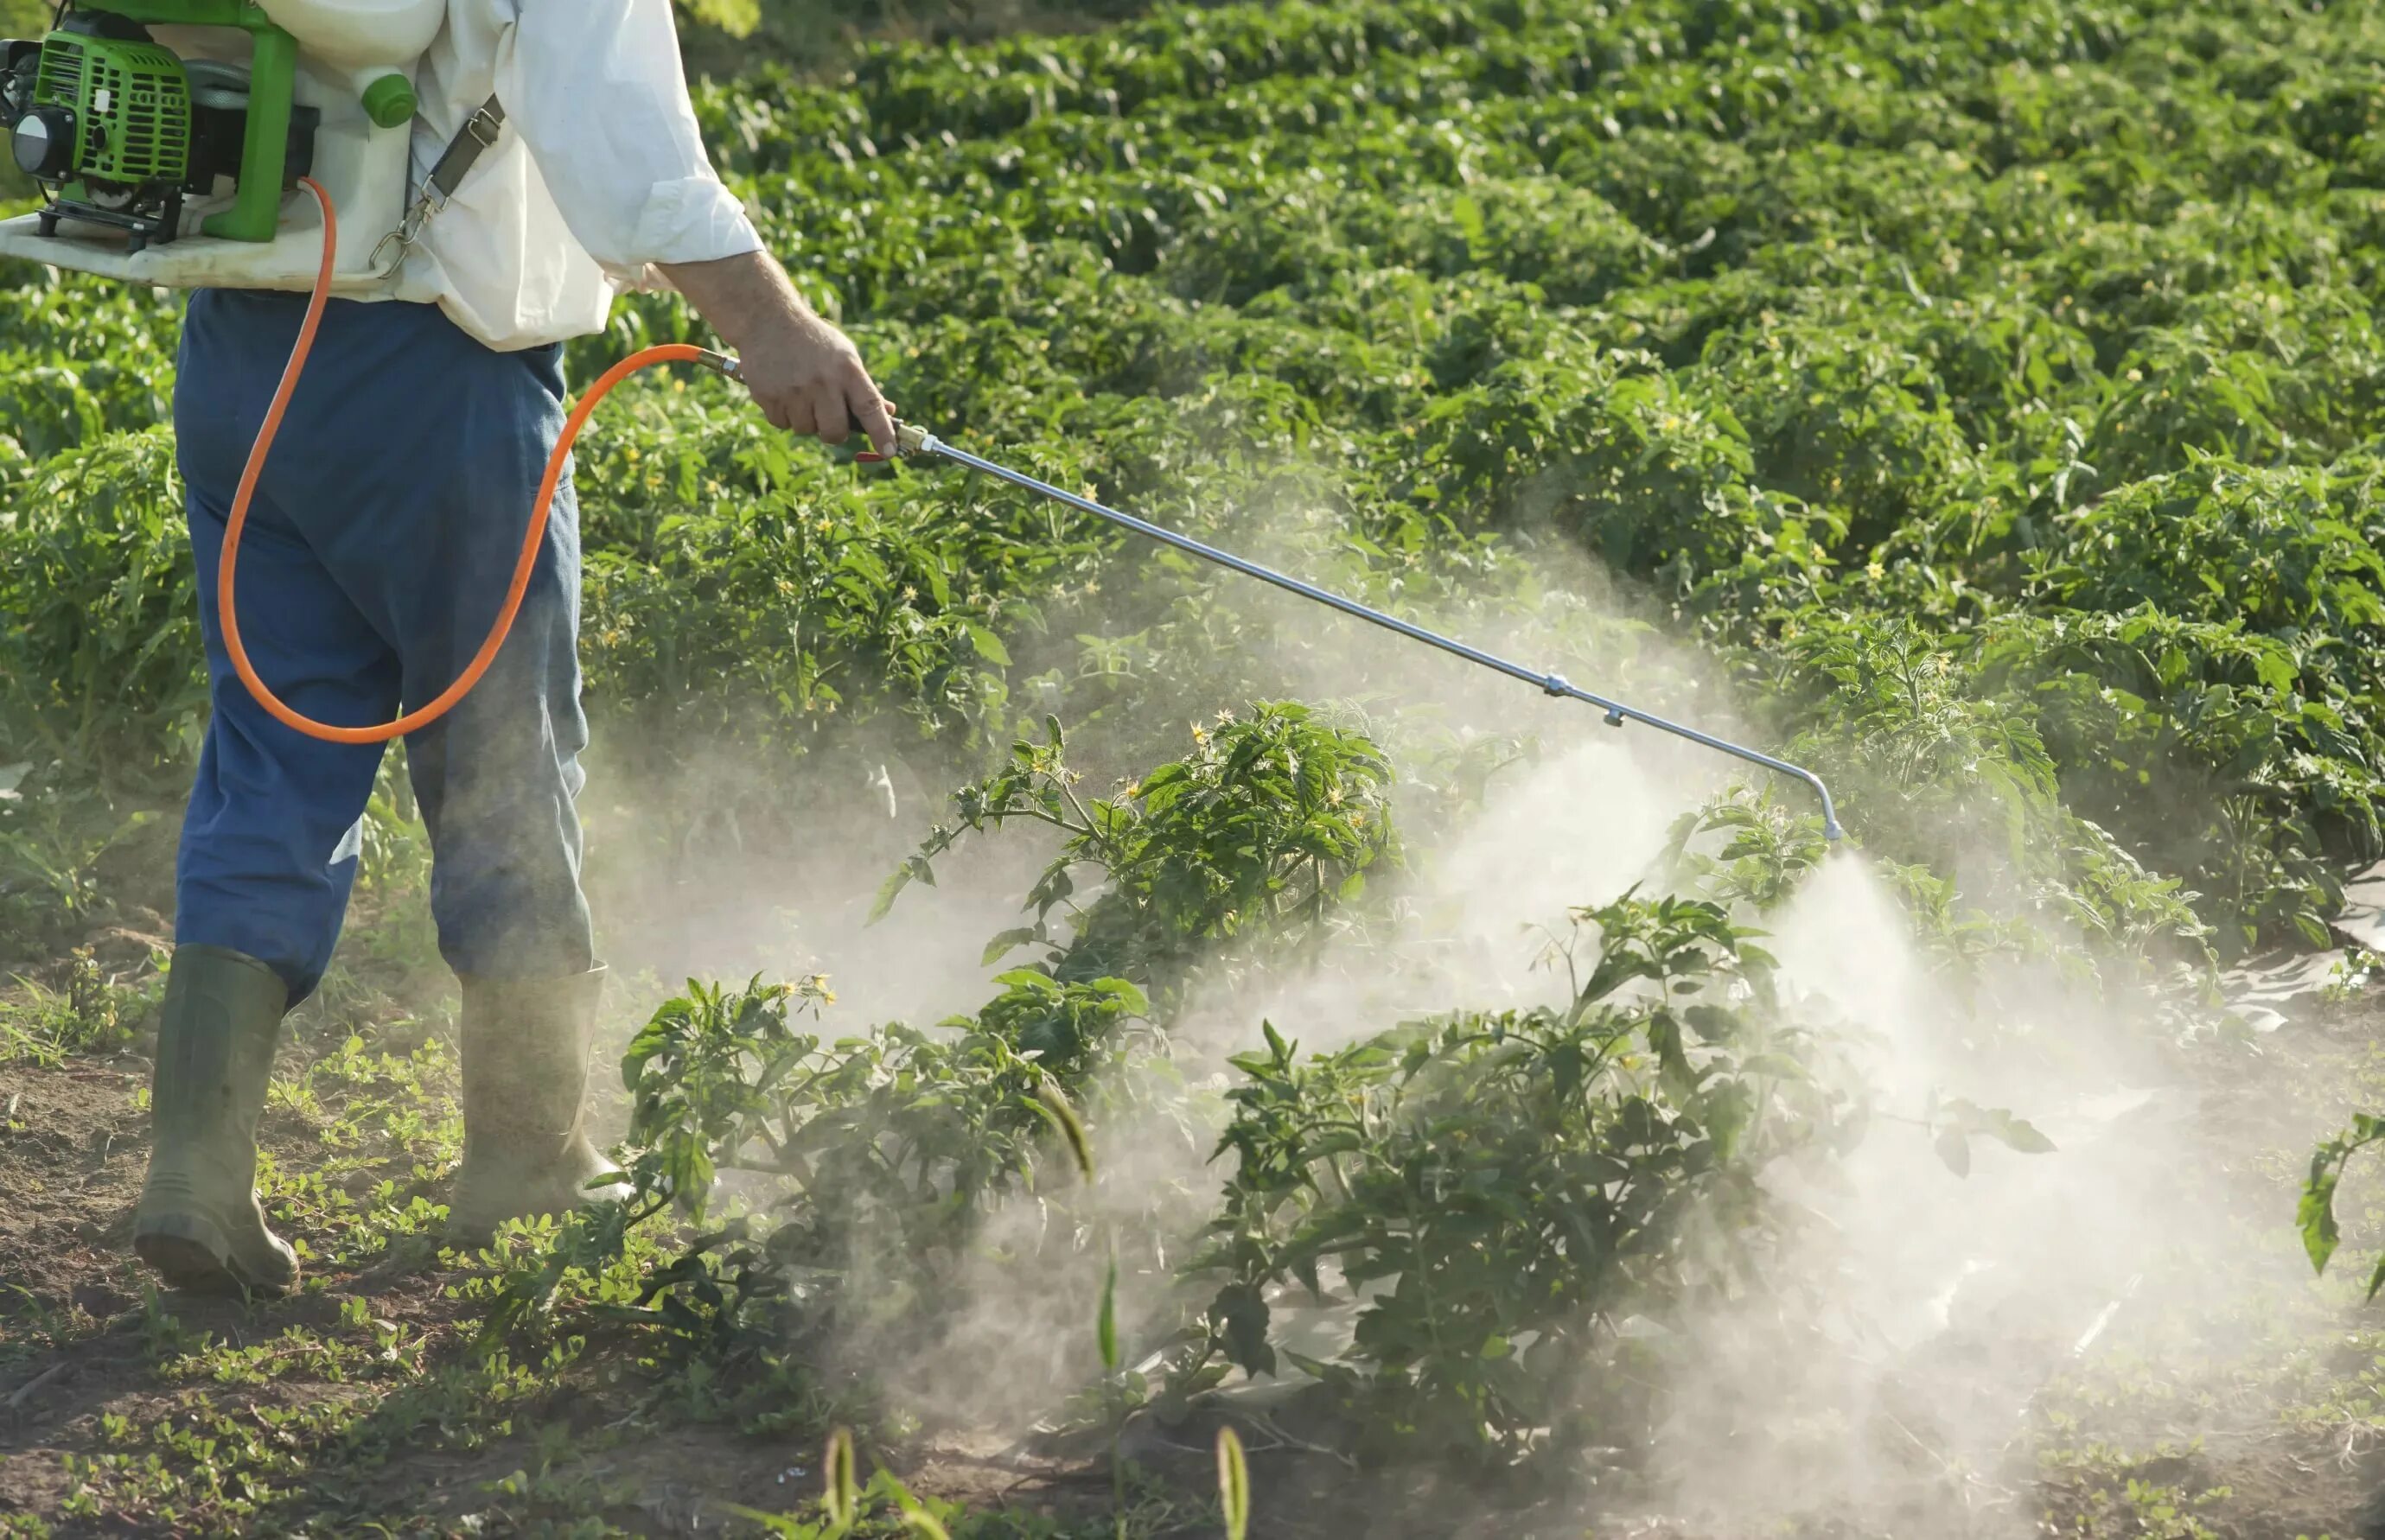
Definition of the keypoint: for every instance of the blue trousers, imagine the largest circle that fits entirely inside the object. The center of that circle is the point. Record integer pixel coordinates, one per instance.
(377, 551)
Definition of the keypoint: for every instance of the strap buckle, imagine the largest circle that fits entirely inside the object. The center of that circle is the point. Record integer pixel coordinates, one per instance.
(486, 122)
(479, 132)
(409, 226)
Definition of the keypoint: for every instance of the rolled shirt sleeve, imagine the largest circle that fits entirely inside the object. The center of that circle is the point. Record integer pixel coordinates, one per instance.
(597, 92)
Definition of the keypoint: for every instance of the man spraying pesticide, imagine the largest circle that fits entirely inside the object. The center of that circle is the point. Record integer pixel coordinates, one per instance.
(392, 213)
(480, 177)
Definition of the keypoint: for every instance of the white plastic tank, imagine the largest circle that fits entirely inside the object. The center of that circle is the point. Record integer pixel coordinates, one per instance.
(361, 34)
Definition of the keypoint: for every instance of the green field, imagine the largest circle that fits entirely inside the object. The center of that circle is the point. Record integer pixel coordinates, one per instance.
(1122, 1004)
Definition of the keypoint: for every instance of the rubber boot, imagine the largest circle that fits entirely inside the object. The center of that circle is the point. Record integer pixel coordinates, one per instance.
(199, 1222)
(526, 1146)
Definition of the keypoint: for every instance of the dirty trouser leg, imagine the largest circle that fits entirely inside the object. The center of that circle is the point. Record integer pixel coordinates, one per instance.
(498, 777)
(406, 465)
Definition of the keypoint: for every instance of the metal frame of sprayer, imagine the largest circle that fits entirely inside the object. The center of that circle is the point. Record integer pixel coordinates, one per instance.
(913, 440)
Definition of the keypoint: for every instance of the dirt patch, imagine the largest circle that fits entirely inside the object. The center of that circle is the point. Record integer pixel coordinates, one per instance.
(363, 1401)
(73, 1147)
(419, 1436)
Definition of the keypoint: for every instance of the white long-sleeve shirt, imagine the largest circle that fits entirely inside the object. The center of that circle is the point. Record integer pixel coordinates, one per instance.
(599, 173)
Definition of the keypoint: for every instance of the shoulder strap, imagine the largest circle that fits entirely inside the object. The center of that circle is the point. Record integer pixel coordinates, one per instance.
(479, 132)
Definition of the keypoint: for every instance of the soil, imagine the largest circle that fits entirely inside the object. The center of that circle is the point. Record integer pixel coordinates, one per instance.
(77, 1313)
(87, 1346)
(74, 1304)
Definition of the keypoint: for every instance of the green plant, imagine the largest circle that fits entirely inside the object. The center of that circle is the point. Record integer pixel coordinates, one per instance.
(1266, 829)
(1498, 1190)
(2314, 1213)
(93, 1012)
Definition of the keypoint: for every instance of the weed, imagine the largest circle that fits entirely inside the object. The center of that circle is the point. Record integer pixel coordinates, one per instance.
(94, 1013)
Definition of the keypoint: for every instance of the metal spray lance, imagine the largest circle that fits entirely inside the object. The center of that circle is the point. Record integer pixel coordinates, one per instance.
(913, 440)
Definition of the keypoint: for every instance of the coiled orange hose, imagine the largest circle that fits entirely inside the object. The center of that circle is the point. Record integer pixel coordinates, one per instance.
(423, 716)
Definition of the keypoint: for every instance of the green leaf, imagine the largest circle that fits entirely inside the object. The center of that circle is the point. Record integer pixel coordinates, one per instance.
(842, 1494)
(1664, 1034)
(737, 18)
(1106, 1329)
(1955, 1147)
(1233, 1485)
(1241, 1312)
(777, 1523)
(1054, 1105)
(2019, 1135)
(1126, 992)
(1006, 941)
(915, 869)
(1713, 1023)
(1468, 217)
(2314, 1213)
(1566, 1068)
(988, 645)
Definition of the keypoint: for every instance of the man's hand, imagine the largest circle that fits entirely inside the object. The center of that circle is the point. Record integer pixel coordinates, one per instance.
(805, 375)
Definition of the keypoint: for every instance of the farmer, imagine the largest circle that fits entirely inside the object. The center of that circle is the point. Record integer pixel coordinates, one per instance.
(381, 539)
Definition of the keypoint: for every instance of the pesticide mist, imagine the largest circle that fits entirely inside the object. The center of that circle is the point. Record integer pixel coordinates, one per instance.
(1909, 1191)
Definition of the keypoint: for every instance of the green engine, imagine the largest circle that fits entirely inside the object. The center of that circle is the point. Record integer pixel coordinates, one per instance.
(135, 100)
(118, 130)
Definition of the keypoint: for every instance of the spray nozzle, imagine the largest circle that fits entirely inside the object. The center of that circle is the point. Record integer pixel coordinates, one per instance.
(725, 364)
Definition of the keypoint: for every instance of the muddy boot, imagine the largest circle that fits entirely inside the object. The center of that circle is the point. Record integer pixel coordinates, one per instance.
(526, 1147)
(199, 1223)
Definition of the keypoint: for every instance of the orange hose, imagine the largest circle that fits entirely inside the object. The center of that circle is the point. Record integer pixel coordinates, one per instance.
(421, 716)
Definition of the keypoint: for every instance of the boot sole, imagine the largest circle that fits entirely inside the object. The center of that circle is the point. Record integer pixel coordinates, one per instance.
(191, 1254)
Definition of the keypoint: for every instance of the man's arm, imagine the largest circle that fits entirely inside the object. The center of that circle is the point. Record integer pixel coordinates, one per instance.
(596, 89)
(805, 375)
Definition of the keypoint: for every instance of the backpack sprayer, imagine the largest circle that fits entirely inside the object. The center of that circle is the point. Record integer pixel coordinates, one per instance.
(165, 133)
(170, 138)
(172, 160)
